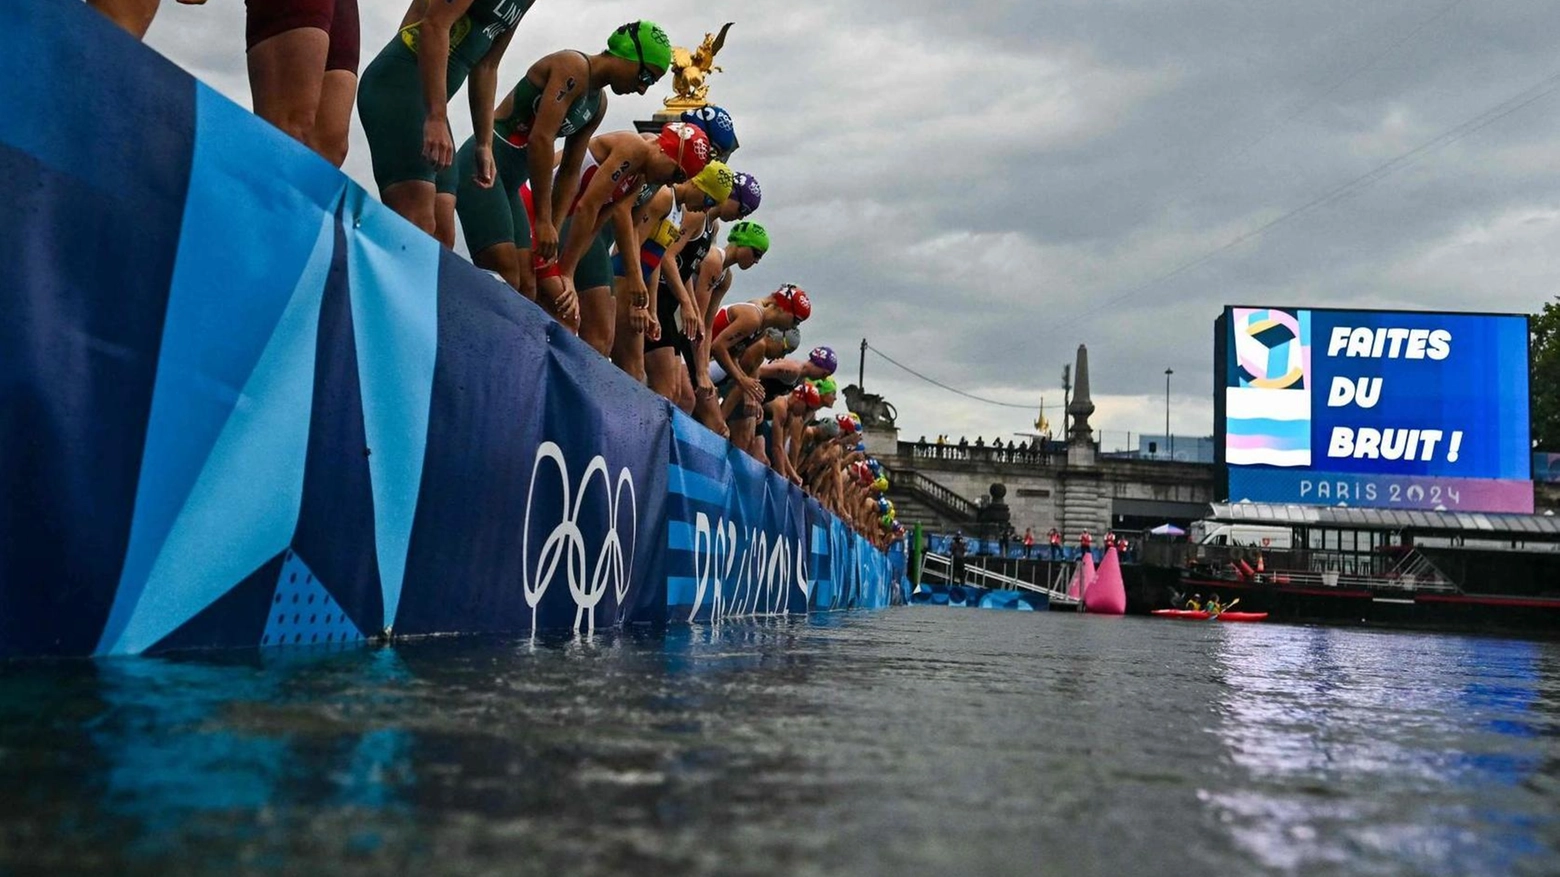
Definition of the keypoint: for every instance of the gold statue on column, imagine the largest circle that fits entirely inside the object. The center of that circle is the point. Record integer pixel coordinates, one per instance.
(690, 70)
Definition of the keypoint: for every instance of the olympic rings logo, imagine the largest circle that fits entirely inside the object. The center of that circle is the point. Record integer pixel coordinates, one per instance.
(565, 545)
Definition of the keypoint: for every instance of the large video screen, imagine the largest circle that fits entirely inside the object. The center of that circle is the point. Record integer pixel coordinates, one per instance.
(1372, 408)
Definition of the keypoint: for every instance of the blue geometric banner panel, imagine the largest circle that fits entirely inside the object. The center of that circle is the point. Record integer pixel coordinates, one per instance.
(244, 404)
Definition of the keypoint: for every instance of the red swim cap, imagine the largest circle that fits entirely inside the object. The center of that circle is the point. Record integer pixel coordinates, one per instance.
(687, 145)
(795, 301)
(807, 394)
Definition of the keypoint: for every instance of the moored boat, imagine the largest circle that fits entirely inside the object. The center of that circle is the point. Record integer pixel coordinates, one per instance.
(1428, 569)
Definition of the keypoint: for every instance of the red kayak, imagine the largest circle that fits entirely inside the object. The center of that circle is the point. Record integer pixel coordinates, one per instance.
(1199, 615)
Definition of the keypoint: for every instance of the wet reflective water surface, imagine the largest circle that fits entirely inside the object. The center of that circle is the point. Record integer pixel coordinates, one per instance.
(912, 741)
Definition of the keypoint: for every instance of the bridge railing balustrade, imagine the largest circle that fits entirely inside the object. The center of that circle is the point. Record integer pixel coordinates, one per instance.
(1052, 454)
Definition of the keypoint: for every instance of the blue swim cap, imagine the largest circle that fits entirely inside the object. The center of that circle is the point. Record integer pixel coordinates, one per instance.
(717, 125)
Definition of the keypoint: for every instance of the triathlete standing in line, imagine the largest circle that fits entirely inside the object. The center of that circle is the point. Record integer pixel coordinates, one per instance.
(302, 57)
(617, 165)
(303, 63)
(561, 95)
(780, 414)
(404, 104)
(687, 335)
(746, 244)
(659, 228)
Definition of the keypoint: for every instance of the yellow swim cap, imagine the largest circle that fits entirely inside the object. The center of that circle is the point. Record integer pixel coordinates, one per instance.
(716, 181)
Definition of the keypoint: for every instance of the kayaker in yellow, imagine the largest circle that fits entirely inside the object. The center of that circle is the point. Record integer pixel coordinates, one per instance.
(1213, 606)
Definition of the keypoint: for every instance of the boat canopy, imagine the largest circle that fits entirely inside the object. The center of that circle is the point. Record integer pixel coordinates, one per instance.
(1529, 527)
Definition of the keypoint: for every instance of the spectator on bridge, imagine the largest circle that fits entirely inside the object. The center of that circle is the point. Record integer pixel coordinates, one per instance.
(1003, 539)
(956, 549)
(1085, 541)
(980, 441)
(1055, 539)
(1029, 541)
(1110, 539)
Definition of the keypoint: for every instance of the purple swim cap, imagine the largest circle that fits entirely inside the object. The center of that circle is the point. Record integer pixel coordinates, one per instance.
(747, 193)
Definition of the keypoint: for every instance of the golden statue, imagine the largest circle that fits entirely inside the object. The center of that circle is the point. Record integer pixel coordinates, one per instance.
(691, 69)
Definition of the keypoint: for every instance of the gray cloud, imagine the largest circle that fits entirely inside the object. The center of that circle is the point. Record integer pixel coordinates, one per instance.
(978, 188)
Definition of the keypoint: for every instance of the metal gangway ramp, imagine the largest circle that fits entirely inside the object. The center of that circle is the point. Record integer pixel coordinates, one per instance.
(1055, 590)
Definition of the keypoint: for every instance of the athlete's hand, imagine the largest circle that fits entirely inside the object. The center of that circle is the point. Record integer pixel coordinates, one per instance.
(639, 320)
(569, 300)
(751, 388)
(653, 329)
(693, 322)
(438, 148)
(705, 389)
(487, 171)
(544, 241)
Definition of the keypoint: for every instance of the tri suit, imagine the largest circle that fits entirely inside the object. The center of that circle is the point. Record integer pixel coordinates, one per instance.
(390, 97)
(497, 215)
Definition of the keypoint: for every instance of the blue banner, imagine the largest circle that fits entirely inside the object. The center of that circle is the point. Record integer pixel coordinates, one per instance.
(1407, 409)
(736, 532)
(245, 404)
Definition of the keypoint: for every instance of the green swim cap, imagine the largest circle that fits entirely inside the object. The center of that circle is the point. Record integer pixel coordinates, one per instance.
(825, 386)
(749, 234)
(654, 47)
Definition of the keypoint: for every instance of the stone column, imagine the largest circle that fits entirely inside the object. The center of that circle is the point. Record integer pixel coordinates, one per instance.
(1084, 500)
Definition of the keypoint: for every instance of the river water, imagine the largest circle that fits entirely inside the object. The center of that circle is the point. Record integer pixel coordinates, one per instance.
(917, 740)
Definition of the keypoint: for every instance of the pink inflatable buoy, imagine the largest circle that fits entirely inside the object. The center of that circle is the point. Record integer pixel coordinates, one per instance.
(1107, 595)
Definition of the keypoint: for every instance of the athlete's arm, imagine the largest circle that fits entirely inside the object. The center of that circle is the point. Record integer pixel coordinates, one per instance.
(722, 285)
(620, 160)
(566, 183)
(744, 324)
(657, 210)
(790, 446)
(433, 58)
(482, 90)
(566, 73)
(777, 414)
(798, 425)
(693, 319)
(621, 215)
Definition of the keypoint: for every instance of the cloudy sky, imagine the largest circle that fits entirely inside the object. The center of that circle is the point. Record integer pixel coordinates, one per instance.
(978, 188)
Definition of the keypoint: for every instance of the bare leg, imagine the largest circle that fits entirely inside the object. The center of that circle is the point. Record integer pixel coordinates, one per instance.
(684, 397)
(598, 318)
(743, 428)
(444, 219)
(662, 368)
(525, 273)
(504, 259)
(285, 72)
(135, 16)
(414, 200)
(338, 92)
(707, 410)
